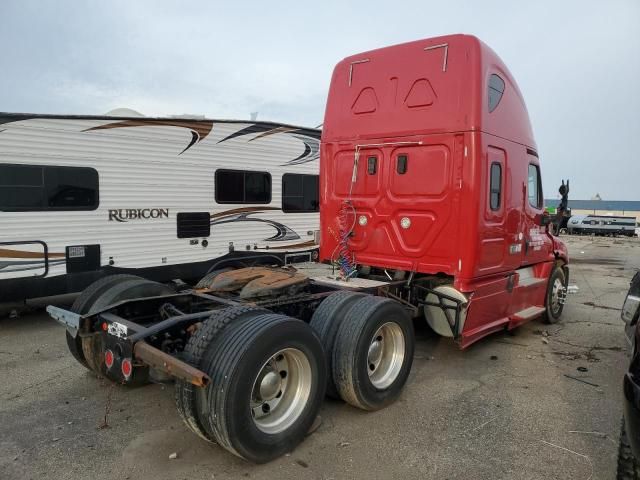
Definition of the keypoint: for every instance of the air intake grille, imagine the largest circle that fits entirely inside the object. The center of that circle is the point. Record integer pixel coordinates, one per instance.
(194, 224)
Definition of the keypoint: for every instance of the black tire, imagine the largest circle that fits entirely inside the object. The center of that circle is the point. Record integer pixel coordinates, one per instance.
(205, 281)
(83, 304)
(352, 348)
(553, 309)
(233, 360)
(186, 393)
(628, 466)
(123, 289)
(326, 321)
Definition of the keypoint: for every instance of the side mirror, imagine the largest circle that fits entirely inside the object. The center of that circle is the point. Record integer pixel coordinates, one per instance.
(545, 219)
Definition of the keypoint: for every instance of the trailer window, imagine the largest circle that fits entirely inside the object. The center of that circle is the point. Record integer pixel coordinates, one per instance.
(534, 186)
(495, 186)
(39, 188)
(496, 89)
(300, 193)
(242, 186)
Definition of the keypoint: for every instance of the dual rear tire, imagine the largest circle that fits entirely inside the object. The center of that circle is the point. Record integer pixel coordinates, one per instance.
(369, 343)
(268, 376)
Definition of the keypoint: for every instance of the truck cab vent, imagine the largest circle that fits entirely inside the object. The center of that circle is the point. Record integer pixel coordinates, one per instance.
(194, 224)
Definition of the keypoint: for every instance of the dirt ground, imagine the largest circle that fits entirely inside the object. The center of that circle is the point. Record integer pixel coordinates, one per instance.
(513, 406)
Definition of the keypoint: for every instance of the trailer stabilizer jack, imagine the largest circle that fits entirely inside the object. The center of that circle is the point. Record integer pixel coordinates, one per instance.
(177, 368)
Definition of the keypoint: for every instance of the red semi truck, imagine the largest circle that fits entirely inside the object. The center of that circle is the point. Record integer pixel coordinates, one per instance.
(429, 146)
(431, 205)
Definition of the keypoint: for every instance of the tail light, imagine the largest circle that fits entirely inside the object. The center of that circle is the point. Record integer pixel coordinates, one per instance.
(108, 358)
(126, 368)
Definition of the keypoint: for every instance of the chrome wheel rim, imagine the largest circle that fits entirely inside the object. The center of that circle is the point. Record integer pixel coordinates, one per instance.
(280, 391)
(386, 355)
(557, 292)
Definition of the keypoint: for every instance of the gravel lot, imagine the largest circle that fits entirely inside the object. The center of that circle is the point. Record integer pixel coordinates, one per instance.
(503, 409)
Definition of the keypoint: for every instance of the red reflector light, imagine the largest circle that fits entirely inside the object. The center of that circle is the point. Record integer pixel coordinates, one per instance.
(126, 368)
(108, 358)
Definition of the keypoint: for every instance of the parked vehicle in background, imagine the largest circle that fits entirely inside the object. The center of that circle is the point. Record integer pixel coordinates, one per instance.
(82, 197)
(602, 225)
(629, 452)
(430, 205)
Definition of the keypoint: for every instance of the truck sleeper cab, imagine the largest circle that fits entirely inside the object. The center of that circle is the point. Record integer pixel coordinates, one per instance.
(429, 169)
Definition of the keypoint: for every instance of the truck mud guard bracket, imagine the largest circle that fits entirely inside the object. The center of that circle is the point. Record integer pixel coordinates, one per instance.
(69, 319)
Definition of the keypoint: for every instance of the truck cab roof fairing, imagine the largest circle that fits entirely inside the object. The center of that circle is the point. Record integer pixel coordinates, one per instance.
(388, 93)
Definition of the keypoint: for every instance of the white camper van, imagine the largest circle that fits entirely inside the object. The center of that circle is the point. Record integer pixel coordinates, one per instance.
(165, 198)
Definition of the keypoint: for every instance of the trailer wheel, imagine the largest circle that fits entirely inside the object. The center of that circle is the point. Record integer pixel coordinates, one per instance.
(373, 353)
(268, 377)
(83, 304)
(122, 289)
(326, 321)
(205, 282)
(186, 393)
(556, 293)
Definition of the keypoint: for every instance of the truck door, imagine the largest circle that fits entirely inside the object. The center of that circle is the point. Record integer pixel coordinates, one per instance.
(537, 244)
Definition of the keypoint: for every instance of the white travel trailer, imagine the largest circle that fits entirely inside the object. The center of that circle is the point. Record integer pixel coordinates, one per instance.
(165, 198)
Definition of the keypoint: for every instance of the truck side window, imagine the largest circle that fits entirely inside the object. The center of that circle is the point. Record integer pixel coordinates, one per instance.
(534, 186)
(402, 164)
(496, 89)
(495, 186)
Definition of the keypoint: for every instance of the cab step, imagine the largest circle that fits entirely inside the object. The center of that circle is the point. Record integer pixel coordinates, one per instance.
(531, 281)
(527, 314)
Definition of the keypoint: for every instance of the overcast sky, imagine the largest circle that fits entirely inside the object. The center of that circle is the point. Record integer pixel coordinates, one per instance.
(577, 64)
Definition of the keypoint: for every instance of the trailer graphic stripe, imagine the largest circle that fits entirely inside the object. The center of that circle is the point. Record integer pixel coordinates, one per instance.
(199, 129)
(310, 139)
(10, 253)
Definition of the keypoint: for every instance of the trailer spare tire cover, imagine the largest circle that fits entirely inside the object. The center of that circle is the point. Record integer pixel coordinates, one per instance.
(237, 361)
(373, 353)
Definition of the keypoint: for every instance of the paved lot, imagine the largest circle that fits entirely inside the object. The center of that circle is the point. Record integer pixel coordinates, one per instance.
(503, 409)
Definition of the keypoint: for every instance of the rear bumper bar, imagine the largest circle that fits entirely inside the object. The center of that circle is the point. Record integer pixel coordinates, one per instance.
(160, 360)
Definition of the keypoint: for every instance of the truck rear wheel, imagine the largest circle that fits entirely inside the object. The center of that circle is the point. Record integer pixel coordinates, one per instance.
(373, 353)
(268, 377)
(326, 320)
(83, 304)
(555, 296)
(194, 351)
